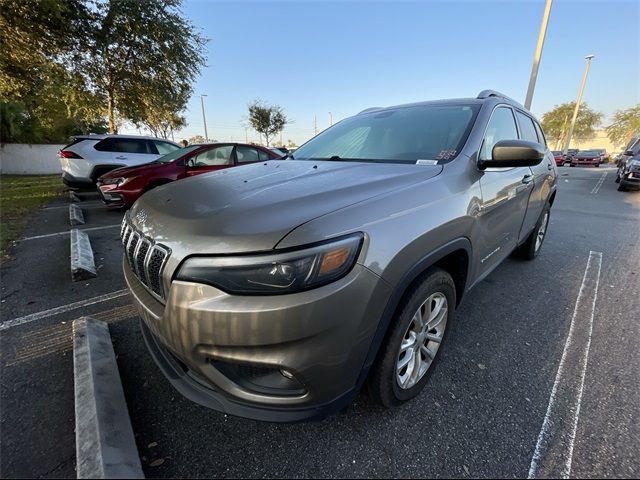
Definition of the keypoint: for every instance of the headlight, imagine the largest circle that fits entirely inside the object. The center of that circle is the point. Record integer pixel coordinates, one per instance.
(119, 181)
(277, 273)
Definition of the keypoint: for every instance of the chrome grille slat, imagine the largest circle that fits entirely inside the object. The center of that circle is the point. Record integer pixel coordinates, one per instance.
(146, 258)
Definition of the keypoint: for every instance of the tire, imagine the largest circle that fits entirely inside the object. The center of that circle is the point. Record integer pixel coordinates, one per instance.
(435, 287)
(617, 177)
(530, 248)
(571, 165)
(622, 187)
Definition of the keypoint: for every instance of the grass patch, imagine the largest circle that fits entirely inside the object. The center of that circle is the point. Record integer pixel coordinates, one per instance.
(20, 196)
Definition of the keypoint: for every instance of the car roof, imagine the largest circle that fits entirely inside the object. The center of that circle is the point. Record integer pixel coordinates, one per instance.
(483, 96)
(100, 136)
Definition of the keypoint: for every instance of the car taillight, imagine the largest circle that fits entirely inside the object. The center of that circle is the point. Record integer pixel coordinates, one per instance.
(68, 154)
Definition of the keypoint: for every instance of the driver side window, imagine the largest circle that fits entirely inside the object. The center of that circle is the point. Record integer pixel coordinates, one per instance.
(502, 126)
(212, 157)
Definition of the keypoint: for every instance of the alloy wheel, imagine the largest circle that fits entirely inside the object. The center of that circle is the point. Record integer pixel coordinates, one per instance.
(421, 340)
(542, 231)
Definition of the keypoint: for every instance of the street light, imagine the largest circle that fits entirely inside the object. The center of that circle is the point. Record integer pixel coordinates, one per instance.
(204, 119)
(538, 54)
(578, 101)
(330, 119)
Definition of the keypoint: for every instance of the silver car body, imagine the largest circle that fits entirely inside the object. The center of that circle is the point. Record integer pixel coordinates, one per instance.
(411, 216)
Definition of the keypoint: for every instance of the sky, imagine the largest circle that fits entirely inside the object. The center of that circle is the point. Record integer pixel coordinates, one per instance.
(316, 57)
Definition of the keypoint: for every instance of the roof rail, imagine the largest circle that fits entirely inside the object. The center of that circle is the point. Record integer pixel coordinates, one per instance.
(493, 93)
(372, 109)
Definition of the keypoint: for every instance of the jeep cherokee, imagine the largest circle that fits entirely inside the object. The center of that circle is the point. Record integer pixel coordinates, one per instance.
(277, 290)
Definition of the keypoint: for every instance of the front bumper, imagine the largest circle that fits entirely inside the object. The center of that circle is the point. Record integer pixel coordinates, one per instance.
(111, 197)
(321, 337)
(585, 162)
(631, 179)
(77, 182)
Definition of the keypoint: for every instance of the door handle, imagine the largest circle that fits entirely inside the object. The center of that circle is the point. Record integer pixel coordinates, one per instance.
(527, 179)
(121, 157)
(549, 167)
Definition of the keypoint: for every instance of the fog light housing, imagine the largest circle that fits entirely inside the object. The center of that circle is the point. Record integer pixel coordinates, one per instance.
(260, 379)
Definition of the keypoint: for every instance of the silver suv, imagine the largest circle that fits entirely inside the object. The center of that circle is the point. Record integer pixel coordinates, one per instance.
(276, 291)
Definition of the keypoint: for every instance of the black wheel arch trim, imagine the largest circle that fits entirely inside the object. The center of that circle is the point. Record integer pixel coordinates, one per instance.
(399, 290)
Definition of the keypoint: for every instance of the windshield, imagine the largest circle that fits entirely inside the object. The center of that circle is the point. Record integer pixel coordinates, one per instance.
(403, 135)
(170, 157)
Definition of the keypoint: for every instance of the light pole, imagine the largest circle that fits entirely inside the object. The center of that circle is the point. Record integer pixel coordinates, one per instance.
(204, 119)
(578, 101)
(538, 54)
(330, 119)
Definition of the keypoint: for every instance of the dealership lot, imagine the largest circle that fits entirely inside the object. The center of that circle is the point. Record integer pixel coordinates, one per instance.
(480, 416)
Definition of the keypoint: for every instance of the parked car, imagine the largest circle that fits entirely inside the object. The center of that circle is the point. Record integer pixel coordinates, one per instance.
(628, 174)
(276, 290)
(120, 188)
(604, 156)
(558, 156)
(88, 157)
(282, 151)
(589, 158)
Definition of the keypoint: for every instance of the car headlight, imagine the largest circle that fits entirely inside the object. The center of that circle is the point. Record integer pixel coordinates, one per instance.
(276, 273)
(119, 181)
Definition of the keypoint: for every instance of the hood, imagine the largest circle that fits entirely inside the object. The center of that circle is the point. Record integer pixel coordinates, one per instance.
(134, 171)
(252, 207)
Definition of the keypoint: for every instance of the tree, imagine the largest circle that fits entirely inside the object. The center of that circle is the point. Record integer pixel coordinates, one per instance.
(556, 123)
(267, 120)
(139, 54)
(291, 144)
(625, 124)
(197, 139)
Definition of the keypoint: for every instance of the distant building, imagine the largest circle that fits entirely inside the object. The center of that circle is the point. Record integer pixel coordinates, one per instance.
(600, 140)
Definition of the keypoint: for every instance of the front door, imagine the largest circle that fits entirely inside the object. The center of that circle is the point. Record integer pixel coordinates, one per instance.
(505, 195)
(215, 158)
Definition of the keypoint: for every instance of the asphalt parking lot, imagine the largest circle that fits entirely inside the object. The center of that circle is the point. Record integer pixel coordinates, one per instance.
(480, 416)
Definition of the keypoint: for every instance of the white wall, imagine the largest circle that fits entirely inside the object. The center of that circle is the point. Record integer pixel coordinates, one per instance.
(23, 159)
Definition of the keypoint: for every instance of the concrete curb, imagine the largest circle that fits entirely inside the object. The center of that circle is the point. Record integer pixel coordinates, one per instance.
(73, 197)
(76, 217)
(105, 445)
(82, 262)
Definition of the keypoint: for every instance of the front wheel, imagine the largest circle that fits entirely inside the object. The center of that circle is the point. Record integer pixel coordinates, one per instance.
(406, 359)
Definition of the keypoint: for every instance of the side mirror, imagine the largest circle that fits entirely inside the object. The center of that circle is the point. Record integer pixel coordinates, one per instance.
(629, 153)
(514, 153)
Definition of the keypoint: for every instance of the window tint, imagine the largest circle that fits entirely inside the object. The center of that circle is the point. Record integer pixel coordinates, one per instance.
(247, 154)
(541, 138)
(212, 157)
(527, 130)
(502, 126)
(264, 156)
(125, 145)
(165, 147)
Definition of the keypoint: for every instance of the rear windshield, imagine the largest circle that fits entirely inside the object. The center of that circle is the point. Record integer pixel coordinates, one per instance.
(170, 157)
(404, 135)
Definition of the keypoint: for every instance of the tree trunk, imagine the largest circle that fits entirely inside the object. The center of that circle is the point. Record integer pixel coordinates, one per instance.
(113, 128)
(266, 139)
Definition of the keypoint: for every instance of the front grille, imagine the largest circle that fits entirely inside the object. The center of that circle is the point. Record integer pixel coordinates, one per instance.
(145, 257)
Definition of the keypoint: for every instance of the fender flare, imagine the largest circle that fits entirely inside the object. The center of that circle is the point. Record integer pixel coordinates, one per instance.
(400, 288)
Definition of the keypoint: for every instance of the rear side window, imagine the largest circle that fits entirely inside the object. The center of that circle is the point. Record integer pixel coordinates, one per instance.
(527, 130)
(212, 157)
(125, 145)
(165, 147)
(501, 126)
(247, 154)
(541, 137)
(264, 156)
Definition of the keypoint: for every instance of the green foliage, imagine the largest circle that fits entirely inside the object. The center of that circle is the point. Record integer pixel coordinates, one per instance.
(65, 65)
(197, 139)
(268, 120)
(625, 124)
(556, 122)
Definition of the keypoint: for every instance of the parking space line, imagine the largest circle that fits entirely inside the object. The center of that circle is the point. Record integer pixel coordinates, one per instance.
(62, 309)
(67, 232)
(599, 184)
(553, 455)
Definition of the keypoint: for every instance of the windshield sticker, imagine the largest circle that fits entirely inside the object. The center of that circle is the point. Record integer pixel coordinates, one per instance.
(446, 154)
(426, 162)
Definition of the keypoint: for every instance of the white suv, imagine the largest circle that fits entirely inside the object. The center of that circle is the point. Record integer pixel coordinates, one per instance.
(88, 157)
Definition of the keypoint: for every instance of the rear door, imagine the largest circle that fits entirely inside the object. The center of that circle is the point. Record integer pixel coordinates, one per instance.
(128, 151)
(505, 194)
(215, 158)
(246, 154)
(543, 173)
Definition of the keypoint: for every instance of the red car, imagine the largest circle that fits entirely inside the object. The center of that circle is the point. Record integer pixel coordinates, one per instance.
(558, 156)
(588, 158)
(120, 188)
